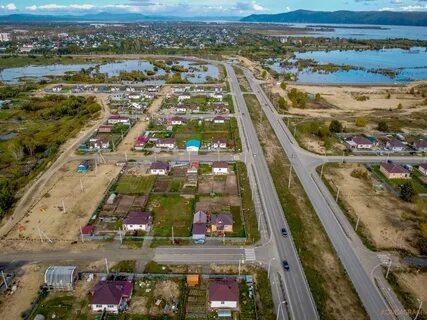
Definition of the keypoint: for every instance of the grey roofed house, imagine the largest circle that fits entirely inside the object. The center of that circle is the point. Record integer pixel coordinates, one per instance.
(199, 230)
(60, 277)
(135, 217)
(159, 165)
(200, 217)
(222, 219)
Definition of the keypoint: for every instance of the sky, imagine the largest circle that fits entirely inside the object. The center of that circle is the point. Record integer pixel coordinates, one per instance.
(201, 7)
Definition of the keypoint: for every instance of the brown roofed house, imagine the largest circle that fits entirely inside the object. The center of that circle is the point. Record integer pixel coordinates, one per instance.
(223, 294)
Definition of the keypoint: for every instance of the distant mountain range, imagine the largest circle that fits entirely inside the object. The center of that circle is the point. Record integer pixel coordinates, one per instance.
(103, 17)
(344, 17)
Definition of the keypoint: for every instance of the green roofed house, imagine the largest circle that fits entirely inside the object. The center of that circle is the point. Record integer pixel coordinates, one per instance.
(193, 145)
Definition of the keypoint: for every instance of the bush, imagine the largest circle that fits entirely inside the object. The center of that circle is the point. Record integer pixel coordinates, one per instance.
(283, 85)
(382, 126)
(407, 191)
(335, 126)
(361, 98)
(361, 122)
(298, 98)
(359, 173)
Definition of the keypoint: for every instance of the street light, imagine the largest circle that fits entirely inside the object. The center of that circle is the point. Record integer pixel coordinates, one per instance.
(279, 308)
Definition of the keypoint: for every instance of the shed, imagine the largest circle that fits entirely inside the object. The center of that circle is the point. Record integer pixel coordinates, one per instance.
(193, 145)
(60, 277)
(111, 198)
(193, 280)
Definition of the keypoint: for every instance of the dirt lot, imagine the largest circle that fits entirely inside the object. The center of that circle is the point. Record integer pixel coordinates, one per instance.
(218, 184)
(384, 218)
(416, 284)
(217, 204)
(47, 214)
(28, 283)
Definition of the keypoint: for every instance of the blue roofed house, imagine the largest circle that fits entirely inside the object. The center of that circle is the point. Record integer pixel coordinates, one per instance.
(193, 145)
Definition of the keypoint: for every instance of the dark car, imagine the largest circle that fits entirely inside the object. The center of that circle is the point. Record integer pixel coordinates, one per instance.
(285, 265)
(284, 232)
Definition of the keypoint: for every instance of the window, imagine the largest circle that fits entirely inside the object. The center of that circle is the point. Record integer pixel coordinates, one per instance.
(99, 305)
(111, 306)
(222, 302)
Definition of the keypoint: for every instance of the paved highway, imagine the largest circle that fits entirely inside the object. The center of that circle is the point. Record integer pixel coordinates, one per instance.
(298, 295)
(352, 258)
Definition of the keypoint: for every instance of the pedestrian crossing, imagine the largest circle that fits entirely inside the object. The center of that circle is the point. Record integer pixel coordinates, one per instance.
(250, 255)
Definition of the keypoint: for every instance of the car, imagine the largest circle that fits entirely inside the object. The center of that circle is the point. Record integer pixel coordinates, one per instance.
(285, 265)
(284, 232)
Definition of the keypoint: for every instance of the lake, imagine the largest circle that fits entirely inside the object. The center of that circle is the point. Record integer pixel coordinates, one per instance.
(197, 75)
(360, 31)
(409, 64)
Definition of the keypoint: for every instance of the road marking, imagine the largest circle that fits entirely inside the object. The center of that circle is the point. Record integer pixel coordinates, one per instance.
(250, 254)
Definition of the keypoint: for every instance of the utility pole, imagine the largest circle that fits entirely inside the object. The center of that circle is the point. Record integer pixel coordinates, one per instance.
(81, 234)
(81, 185)
(5, 282)
(173, 236)
(63, 206)
(40, 234)
(120, 237)
(338, 194)
(321, 170)
(357, 223)
(388, 269)
(106, 266)
(290, 176)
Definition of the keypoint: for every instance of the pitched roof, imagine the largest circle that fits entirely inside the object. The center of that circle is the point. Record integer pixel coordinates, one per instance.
(420, 144)
(361, 140)
(136, 217)
(222, 219)
(200, 217)
(223, 290)
(396, 144)
(159, 165)
(193, 143)
(141, 140)
(111, 292)
(199, 228)
(220, 164)
(393, 168)
(166, 141)
(423, 166)
(219, 140)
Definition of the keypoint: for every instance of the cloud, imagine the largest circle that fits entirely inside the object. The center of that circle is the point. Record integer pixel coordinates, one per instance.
(54, 6)
(8, 7)
(249, 6)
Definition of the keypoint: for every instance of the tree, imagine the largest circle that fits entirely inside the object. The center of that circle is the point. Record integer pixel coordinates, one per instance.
(335, 126)
(407, 191)
(399, 106)
(264, 74)
(361, 122)
(282, 103)
(283, 85)
(6, 196)
(317, 97)
(382, 126)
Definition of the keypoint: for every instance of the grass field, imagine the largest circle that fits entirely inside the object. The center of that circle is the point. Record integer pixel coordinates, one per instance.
(63, 307)
(128, 184)
(171, 210)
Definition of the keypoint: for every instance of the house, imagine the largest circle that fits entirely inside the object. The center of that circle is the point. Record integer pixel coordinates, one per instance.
(219, 120)
(177, 121)
(199, 89)
(134, 96)
(395, 145)
(111, 296)
(111, 198)
(193, 168)
(218, 89)
(223, 294)
(57, 89)
(200, 217)
(60, 278)
(178, 89)
(114, 119)
(222, 222)
(184, 96)
(220, 167)
(159, 168)
(117, 96)
(99, 143)
(168, 143)
(219, 143)
(423, 168)
(394, 171)
(217, 95)
(141, 141)
(137, 106)
(180, 108)
(193, 145)
(199, 231)
(421, 145)
(106, 128)
(359, 143)
(221, 108)
(137, 221)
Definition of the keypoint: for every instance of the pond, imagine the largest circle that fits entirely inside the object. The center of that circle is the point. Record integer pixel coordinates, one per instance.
(198, 73)
(409, 65)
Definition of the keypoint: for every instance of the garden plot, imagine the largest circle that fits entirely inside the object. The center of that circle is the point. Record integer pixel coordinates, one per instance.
(218, 184)
(196, 303)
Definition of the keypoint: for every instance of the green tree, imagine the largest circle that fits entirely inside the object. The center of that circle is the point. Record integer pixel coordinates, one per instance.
(282, 103)
(382, 126)
(335, 126)
(317, 97)
(283, 85)
(407, 191)
(361, 122)
(6, 196)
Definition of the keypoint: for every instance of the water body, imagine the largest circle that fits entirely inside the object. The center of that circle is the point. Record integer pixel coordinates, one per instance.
(408, 64)
(13, 75)
(360, 32)
(8, 136)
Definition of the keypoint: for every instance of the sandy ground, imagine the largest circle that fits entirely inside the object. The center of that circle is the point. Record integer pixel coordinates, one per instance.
(129, 141)
(48, 213)
(27, 285)
(381, 214)
(415, 283)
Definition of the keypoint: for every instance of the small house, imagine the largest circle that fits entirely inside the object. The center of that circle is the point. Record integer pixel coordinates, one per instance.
(219, 120)
(200, 217)
(193, 168)
(395, 145)
(199, 231)
(423, 168)
(217, 95)
(141, 141)
(60, 278)
(359, 143)
(166, 143)
(222, 222)
(181, 108)
(193, 280)
(219, 143)
(115, 119)
(421, 145)
(220, 167)
(223, 294)
(177, 121)
(193, 145)
(111, 199)
(159, 168)
(137, 221)
(111, 296)
(106, 128)
(184, 96)
(394, 171)
(83, 167)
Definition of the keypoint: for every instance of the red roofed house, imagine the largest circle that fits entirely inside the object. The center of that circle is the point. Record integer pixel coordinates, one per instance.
(423, 168)
(160, 168)
(222, 223)
(359, 143)
(137, 221)
(111, 296)
(141, 141)
(394, 171)
(106, 128)
(223, 294)
(220, 167)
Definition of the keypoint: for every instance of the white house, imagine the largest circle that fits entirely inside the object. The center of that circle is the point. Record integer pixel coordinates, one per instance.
(111, 296)
(178, 89)
(118, 119)
(183, 97)
(99, 143)
(219, 143)
(217, 96)
(219, 120)
(167, 143)
(423, 168)
(359, 143)
(178, 121)
(395, 145)
(137, 221)
(223, 294)
(180, 108)
(220, 167)
(159, 168)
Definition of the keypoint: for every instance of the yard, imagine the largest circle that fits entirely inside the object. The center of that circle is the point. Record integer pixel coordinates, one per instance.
(131, 184)
(171, 211)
